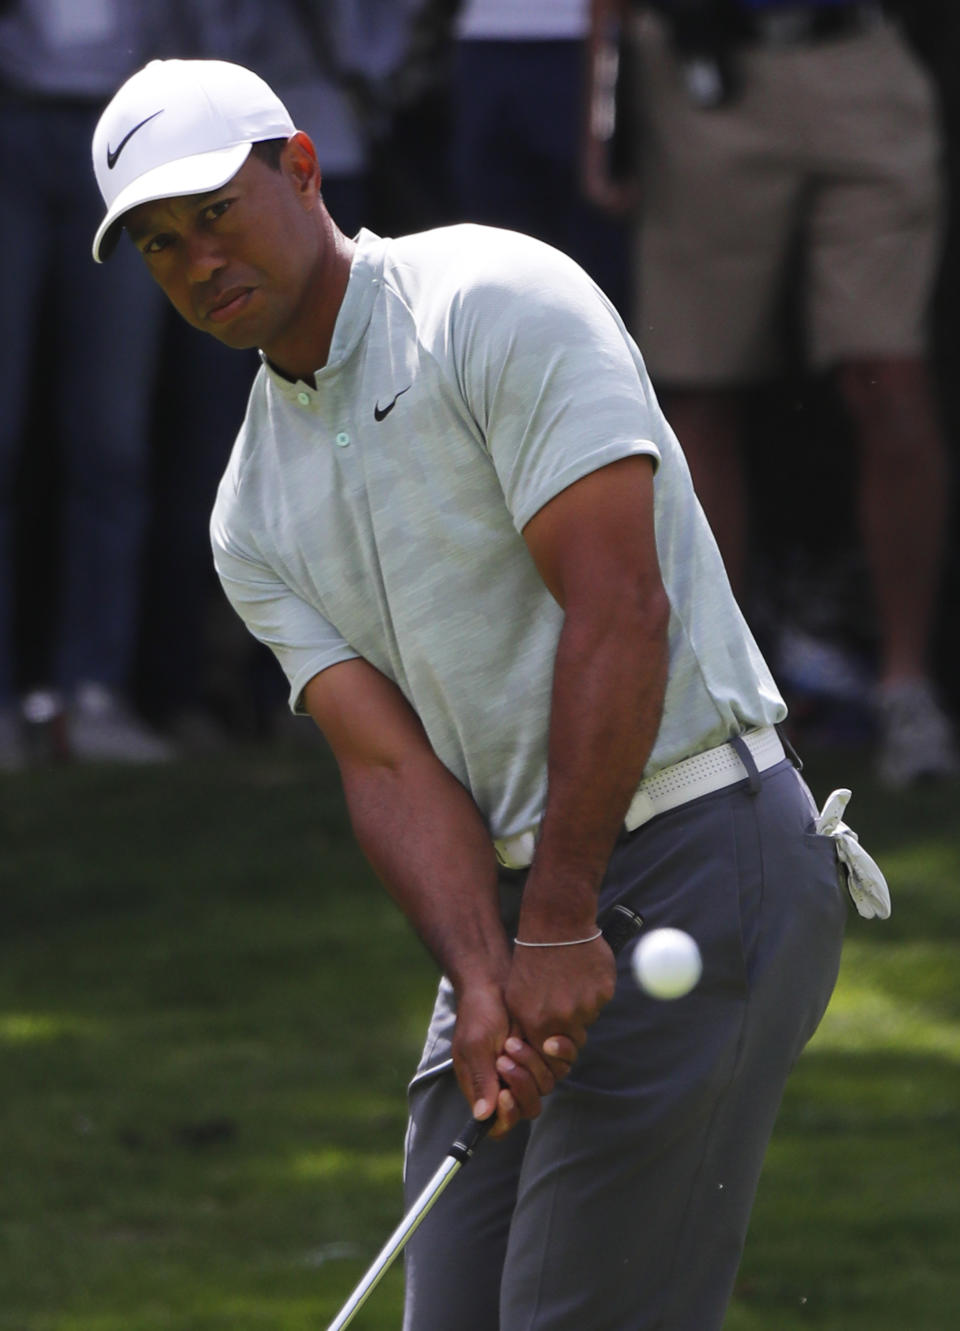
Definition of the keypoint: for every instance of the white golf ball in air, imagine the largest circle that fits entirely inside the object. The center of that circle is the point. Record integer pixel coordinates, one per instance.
(666, 963)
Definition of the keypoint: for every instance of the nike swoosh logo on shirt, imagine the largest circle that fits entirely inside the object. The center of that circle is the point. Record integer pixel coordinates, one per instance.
(380, 412)
(114, 153)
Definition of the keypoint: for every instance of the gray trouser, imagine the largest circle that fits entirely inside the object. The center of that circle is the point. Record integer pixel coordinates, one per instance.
(624, 1206)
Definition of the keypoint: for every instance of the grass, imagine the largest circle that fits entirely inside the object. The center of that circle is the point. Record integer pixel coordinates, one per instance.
(208, 1012)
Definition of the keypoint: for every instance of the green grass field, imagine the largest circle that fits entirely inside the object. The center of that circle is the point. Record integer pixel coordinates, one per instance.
(208, 1012)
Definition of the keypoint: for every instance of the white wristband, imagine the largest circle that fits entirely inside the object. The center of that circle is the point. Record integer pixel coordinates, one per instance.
(570, 942)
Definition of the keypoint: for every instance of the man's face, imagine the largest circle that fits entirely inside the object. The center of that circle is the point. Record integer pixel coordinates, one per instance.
(239, 262)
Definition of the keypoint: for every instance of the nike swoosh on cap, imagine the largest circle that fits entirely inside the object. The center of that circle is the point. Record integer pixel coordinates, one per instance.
(114, 153)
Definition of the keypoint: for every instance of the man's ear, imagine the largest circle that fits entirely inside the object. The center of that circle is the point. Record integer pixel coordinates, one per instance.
(299, 161)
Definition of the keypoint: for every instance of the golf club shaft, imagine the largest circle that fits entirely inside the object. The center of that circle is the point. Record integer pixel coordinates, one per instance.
(619, 925)
(396, 1242)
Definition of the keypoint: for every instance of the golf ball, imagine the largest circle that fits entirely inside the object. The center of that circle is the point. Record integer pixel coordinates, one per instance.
(666, 963)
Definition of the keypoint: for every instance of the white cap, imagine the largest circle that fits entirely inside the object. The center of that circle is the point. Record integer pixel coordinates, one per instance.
(179, 127)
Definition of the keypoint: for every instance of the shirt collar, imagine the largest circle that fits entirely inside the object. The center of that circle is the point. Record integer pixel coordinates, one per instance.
(366, 268)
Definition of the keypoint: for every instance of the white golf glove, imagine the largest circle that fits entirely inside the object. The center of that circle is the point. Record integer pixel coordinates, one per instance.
(865, 883)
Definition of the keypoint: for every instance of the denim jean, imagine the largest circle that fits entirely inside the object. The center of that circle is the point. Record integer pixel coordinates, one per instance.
(515, 145)
(77, 372)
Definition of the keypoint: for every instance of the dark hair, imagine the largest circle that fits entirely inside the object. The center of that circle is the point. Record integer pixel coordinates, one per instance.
(268, 151)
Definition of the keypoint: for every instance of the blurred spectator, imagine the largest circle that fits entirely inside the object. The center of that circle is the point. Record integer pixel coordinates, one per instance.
(411, 185)
(79, 350)
(770, 131)
(517, 117)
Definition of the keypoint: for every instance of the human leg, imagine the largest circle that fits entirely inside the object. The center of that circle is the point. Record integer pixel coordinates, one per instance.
(720, 192)
(542, 137)
(454, 1260)
(875, 225)
(515, 144)
(108, 380)
(104, 341)
(903, 502)
(488, 184)
(904, 492)
(24, 241)
(874, 238)
(206, 386)
(639, 1176)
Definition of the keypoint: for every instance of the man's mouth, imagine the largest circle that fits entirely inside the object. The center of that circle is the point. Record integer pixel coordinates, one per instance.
(228, 305)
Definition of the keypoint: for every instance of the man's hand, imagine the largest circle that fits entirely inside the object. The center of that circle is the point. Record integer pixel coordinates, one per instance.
(497, 1070)
(610, 194)
(554, 994)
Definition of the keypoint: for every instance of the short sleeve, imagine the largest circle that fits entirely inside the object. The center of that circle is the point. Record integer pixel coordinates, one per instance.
(303, 641)
(553, 379)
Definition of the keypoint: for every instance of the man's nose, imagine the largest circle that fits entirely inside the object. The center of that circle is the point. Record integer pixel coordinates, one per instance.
(204, 258)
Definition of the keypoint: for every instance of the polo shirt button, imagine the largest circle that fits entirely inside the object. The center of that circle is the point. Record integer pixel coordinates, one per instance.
(303, 399)
(343, 439)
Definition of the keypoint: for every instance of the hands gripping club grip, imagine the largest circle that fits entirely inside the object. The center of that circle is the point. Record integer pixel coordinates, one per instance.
(618, 926)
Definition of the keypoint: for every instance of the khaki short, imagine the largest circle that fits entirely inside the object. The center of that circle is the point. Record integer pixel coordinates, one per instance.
(831, 154)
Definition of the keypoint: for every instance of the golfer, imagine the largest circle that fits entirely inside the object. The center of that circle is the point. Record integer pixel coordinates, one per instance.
(457, 515)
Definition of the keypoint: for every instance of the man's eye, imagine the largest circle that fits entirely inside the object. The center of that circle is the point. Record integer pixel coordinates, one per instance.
(216, 210)
(155, 244)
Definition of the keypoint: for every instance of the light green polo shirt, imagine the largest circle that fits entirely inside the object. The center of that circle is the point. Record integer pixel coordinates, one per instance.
(473, 375)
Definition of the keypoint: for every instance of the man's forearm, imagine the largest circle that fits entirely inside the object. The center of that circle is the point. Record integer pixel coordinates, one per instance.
(425, 839)
(609, 683)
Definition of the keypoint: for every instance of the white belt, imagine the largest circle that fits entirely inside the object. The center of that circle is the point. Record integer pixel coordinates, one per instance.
(684, 781)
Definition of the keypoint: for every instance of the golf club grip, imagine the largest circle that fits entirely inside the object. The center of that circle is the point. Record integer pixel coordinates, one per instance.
(619, 924)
